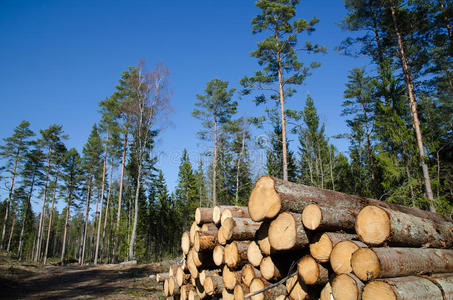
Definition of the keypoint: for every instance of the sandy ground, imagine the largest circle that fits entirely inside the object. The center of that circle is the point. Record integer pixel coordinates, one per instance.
(32, 281)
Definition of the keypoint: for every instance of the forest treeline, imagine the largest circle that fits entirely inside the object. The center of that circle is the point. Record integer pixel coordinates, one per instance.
(116, 204)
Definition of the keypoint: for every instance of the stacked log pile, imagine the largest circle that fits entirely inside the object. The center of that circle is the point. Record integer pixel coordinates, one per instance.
(299, 242)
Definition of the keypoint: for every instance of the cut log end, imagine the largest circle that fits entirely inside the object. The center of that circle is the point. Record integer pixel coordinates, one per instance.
(308, 270)
(198, 216)
(344, 287)
(321, 249)
(264, 202)
(229, 277)
(378, 290)
(239, 292)
(268, 269)
(312, 216)
(256, 285)
(218, 255)
(283, 232)
(248, 273)
(340, 258)
(365, 264)
(227, 294)
(326, 292)
(221, 236)
(295, 288)
(216, 215)
(373, 225)
(185, 242)
(254, 254)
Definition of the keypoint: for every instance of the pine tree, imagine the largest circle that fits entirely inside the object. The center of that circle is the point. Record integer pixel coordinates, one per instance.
(277, 54)
(215, 108)
(14, 151)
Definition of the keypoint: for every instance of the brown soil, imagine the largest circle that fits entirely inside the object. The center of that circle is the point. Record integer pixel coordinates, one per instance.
(34, 281)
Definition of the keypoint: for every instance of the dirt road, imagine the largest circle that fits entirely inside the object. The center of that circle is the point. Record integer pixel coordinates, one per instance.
(30, 281)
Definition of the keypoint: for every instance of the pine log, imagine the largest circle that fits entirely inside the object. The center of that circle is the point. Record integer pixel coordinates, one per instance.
(206, 273)
(375, 226)
(205, 240)
(202, 259)
(185, 242)
(191, 265)
(193, 229)
(173, 288)
(272, 195)
(172, 270)
(444, 282)
(239, 229)
(312, 272)
(213, 285)
(347, 287)
(185, 291)
(217, 213)
(208, 227)
(248, 273)
(404, 288)
(269, 269)
(323, 243)
(296, 288)
(326, 292)
(200, 289)
(340, 258)
(181, 277)
(221, 237)
(227, 294)
(193, 295)
(317, 217)
(218, 255)
(203, 215)
(236, 254)
(254, 254)
(287, 232)
(165, 290)
(230, 277)
(262, 238)
(160, 277)
(371, 263)
(270, 294)
(240, 291)
(234, 212)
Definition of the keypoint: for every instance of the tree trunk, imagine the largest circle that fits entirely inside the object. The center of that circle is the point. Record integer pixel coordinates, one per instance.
(271, 195)
(120, 196)
(134, 226)
(371, 263)
(25, 218)
(11, 233)
(65, 230)
(376, 225)
(236, 202)
(102, 200)
(239, 229)
(51, 216)
(203, 215)
(413, 107)
(87, 210)
(11, 187)
(282, 118)
(214, 166)
(106, 212)
(41, 218)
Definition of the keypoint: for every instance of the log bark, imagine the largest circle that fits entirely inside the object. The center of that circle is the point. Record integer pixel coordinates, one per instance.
(347, 287)
(377, 225)
(248, 273)
(326, 218)
(239, 229)
(371, 263)
(270, 294)
(205, 240)
(203, 215)
(213, 285)
(287, 232)
(404, 288)
(444, 282)
(230, 277)
(272, 195)
(322, 244)
(340, 258)
(234, 212)
(236, 254)
(218, 255)
(160, 277)
(312, 272)
(254, 254)
(185, 242)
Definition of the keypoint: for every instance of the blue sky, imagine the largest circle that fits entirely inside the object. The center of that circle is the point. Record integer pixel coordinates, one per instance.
(59, 58)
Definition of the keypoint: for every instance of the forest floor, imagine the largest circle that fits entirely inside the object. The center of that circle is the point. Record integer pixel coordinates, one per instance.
(25, 280)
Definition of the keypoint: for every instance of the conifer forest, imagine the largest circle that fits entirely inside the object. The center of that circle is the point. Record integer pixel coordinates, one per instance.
(108, 200)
